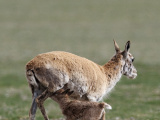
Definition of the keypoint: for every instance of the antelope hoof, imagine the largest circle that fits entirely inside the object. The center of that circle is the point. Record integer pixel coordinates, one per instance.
(32, 117)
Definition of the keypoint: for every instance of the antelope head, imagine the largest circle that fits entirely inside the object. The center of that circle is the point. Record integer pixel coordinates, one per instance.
(128, 68)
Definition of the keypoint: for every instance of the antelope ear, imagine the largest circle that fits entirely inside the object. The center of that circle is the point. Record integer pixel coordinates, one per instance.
(127, 47)
(116, 47)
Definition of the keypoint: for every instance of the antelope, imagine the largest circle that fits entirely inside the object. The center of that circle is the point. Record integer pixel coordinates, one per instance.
(79, 110)
(52, 71)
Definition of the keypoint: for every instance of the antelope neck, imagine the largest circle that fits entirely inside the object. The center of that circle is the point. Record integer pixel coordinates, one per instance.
(113, 69)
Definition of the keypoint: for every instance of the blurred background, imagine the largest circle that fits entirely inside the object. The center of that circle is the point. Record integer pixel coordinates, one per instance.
(86, 28)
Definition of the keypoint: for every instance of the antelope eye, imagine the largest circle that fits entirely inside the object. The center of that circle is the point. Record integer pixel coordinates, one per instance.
(133, 59)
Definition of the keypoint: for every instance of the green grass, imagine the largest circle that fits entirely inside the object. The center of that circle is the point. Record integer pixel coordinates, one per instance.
(85, 28)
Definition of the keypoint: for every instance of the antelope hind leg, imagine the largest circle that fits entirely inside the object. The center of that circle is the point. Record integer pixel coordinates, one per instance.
(33, 108)
(40, 99)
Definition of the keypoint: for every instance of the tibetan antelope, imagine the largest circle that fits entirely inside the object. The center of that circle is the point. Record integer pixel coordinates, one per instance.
(77, 110)
(52, 71)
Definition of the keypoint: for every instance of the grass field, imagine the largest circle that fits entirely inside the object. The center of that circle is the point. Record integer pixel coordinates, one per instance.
(85, 28)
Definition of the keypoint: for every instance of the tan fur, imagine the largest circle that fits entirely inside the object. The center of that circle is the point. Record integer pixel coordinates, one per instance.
(88, 80)
(82, 75)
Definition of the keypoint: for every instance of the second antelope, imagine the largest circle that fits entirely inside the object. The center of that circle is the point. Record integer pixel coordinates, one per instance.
(75, 109)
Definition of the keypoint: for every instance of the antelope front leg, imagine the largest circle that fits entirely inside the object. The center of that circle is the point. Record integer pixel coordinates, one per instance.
(40, 101)
(103, 116)
(33, 108)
